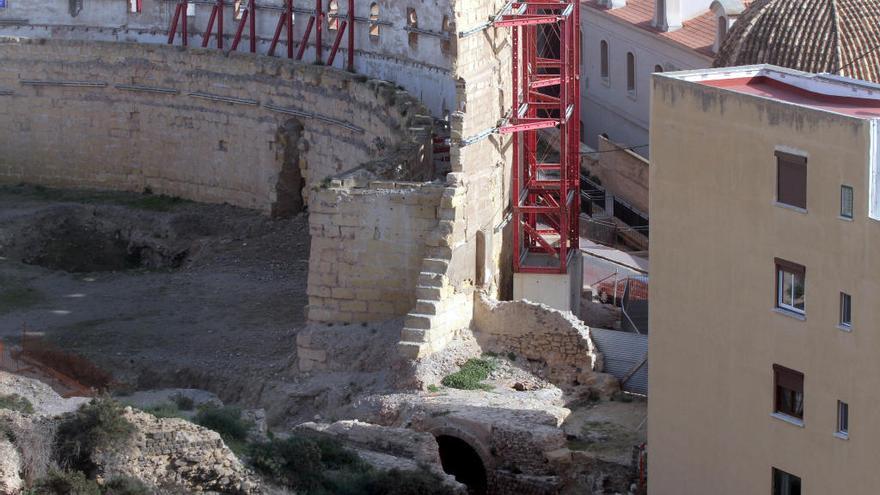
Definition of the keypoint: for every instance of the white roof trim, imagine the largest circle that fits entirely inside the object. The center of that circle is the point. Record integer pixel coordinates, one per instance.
(823, 84)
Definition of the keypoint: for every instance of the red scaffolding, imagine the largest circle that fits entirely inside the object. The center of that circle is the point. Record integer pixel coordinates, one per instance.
(546, 133)
(285, 25)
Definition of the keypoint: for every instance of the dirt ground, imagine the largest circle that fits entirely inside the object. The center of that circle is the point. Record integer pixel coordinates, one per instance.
(141, 283)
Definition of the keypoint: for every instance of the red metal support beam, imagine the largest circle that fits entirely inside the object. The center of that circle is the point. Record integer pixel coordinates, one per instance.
(319, 29)
(305, 39)
(339, 35)
(249, 18)
(284, 21)
(351, 25)
(216, 15)
(546, 95)
(179, 19)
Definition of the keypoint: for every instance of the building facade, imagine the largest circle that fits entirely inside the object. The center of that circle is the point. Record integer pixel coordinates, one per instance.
(763, 347)
(624, 42)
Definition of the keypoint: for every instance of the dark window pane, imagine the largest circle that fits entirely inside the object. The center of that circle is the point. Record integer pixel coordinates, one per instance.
(791, 180)
(846, 201)
(785, 484)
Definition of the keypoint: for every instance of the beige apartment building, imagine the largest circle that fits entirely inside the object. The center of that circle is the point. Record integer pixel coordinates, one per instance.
(765, 284)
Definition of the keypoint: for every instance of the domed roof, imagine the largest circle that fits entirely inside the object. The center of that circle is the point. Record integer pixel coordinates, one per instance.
(809, 35)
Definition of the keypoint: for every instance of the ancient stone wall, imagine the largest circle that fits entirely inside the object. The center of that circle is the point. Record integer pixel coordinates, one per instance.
(247, 130)
(368, 244)
(475, 205)
(387, 47)
(540, 334)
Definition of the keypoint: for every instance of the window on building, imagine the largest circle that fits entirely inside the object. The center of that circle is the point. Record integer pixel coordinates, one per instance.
(845, 310)
(790, 286)
(603, 58)
(846, 201)
(374, 20)
(412, 22)
(658, 68)
(190, 9)
(630, 72)
(785, 483)
(789, 386)
(333, 15)
(134, 6)
(842, 419)
(791, 179)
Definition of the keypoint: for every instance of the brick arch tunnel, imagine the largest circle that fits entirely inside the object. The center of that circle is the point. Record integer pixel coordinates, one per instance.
(461, 460)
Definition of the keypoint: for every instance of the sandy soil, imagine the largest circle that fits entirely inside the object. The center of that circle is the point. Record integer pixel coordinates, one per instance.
(225, 317)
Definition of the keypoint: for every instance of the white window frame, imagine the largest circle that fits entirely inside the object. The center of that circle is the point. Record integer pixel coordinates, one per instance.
(842, 430)
(780, 274)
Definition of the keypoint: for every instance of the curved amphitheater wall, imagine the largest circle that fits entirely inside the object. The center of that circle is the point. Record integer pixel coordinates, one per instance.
(248, 130)
(385, 48)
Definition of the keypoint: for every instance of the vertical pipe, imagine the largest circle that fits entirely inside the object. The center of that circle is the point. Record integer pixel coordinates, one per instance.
(319, 28)
(252, 20)
(351, 35)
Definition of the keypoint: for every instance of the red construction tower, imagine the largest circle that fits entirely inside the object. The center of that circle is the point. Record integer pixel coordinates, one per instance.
(546, 133)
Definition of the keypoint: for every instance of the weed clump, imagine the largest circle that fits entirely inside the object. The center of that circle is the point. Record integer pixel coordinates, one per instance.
(15, 402)
(226, 421)
(65, 483)
(323, 466)
(471, 375)
(183, 402)
(98, 423)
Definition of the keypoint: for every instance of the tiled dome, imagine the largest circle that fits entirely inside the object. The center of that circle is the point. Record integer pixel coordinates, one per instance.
(809, 35)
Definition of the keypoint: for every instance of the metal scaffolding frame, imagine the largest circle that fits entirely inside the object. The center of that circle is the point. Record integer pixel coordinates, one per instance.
(285, 23)
(546, 95)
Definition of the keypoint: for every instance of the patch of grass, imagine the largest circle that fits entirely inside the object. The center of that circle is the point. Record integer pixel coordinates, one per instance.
(77, 483)
(65, 483)
(98, 423)
(323, 466)
(13, 298)
(16, 402)
(433, 388)
(165, 410)
(471, 375)
(183, 402)
(126, 486)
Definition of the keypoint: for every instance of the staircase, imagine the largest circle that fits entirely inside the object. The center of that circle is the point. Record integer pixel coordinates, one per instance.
(432, 300)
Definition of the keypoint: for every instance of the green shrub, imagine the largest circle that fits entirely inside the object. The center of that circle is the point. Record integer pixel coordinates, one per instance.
(471, 374)
(16, 402)
(397, 482)
(183, 402)
(126, 486)
(227, 422)
(65, 483)
(294, 462)
(98, 423)
(166, 410)
(433, 388)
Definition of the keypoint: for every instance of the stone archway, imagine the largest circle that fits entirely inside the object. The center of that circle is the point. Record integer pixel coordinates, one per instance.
(461, 460)
(289, 188)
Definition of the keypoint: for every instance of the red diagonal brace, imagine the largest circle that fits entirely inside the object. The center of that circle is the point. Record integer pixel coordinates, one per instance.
(216, 15)
(336, 42)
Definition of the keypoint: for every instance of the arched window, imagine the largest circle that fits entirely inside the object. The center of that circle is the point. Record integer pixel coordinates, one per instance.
(412, 22)
(333, 15)
(630, 72)
(374, 20)
(658, 68)
(603, 56)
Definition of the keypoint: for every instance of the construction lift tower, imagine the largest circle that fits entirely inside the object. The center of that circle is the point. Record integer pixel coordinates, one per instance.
(546, 150)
